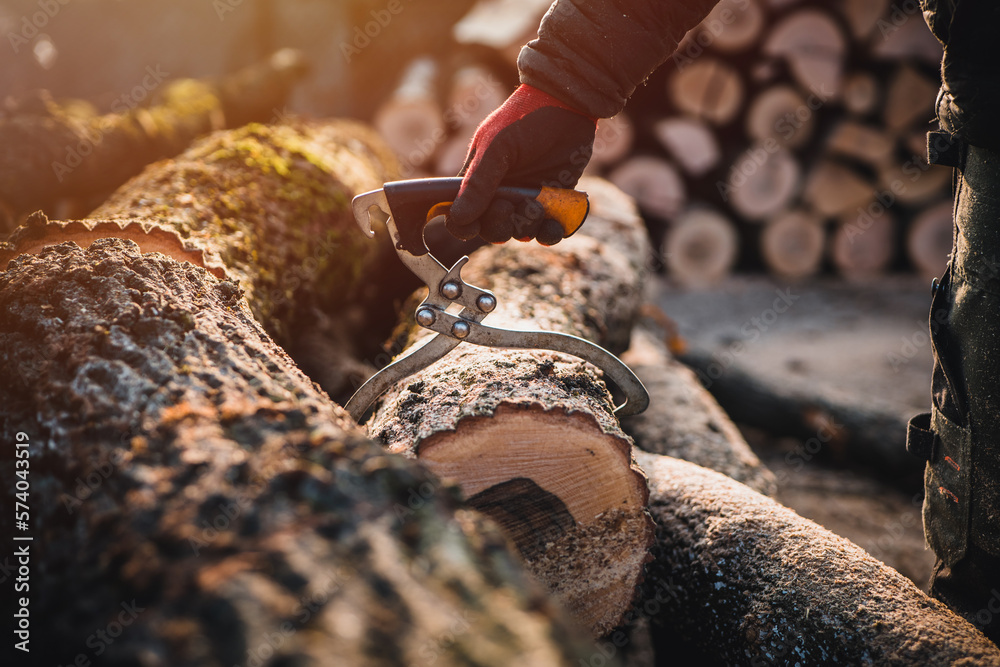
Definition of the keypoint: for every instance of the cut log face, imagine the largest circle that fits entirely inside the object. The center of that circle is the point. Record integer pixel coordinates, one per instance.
(910, 99)
(792, 245)
(763, 183)
(780, 113)
(863, 246)
(929, 241)
(861, 93)
(863, 15)
(690, 142)
(654, 183)
(915, 182)
(701, 248)
(861, 142)
(733, 26)
(707, 88)
(533, 429)
(613, 141)
(814, 47)
(833, 189)
(910, 40)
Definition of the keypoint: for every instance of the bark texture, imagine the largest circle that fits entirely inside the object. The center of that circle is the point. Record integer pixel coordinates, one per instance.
(183, 468)
(530, 435)
(685, 421)
(741, 580)
(268, 206)
(48, 151)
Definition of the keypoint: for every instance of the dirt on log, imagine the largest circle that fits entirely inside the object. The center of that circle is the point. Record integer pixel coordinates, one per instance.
(184, 470)
(742, 580)
(685, 421)
(49, 151)
(530, 435)
(268, 206)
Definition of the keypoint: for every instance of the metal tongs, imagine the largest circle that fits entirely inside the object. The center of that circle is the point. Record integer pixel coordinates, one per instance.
(454, 309)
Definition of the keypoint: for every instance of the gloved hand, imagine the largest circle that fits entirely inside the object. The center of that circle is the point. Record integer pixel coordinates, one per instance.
(532, 140)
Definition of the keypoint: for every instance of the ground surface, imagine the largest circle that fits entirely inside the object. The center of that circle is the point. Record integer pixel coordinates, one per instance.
(866, 343)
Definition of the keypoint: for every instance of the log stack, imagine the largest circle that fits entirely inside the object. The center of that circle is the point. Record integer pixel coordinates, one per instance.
(799, 126)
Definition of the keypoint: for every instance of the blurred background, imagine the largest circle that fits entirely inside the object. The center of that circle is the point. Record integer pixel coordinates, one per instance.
(779, 154)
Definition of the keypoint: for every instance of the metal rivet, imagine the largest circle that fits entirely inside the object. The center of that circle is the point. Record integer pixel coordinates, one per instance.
(451, 290)
(460, 329)
(486, 303)
(425, 317)
(934, 285)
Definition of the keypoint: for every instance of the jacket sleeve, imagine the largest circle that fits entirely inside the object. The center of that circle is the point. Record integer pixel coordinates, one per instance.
(592, 54)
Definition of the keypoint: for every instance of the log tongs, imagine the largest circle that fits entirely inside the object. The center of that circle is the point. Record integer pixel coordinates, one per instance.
(454, 309)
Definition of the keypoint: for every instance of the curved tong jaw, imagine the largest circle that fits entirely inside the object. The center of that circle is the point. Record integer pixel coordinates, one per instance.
(447, 292)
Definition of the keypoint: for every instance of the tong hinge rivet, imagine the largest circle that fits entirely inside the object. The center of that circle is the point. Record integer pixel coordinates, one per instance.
(425, 317)
(451, 290)
(460, 329)
(486, 303)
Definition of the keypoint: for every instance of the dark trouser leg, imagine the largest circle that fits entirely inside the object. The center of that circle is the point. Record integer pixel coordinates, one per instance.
(962, 441)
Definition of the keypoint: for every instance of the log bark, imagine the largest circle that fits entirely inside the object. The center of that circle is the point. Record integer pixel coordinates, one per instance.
(701, 248)
(48, 152)
(739, 579)
(684, 420)
(183, 466)
(792, 245)
(529, 435)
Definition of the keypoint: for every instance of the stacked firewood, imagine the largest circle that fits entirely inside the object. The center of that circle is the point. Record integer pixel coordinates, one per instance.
(783, 135)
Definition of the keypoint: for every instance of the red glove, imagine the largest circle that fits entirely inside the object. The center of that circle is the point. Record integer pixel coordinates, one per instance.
(532, 140)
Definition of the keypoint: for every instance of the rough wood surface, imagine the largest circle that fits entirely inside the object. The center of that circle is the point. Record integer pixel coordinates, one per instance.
(683, 419)
(48, 151)
(529, 435)
(847, 432)
(184, 467)
(741, 580)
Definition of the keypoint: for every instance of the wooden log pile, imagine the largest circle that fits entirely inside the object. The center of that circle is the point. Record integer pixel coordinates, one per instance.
(796, 128)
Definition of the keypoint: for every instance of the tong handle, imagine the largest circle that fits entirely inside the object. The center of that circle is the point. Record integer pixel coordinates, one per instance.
(416, 202)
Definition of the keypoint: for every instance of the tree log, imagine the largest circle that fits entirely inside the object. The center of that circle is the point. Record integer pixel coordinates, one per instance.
(739, 579)
(48, 152)
(655, 184)
(861, 142)
(780, 113)
(910, 99)
(411, 121)
(834, 189)
(812, 44)
(613, 141)
(792, 245)
(861, 92)
(863, 248)
(871, 434)
(690, 142)
(685, 421)
(863, 16)
(183, 466)
(763, 182)
(733, 26)
(708, 88)
(529, 435)
(701, 248)
(929, 239)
